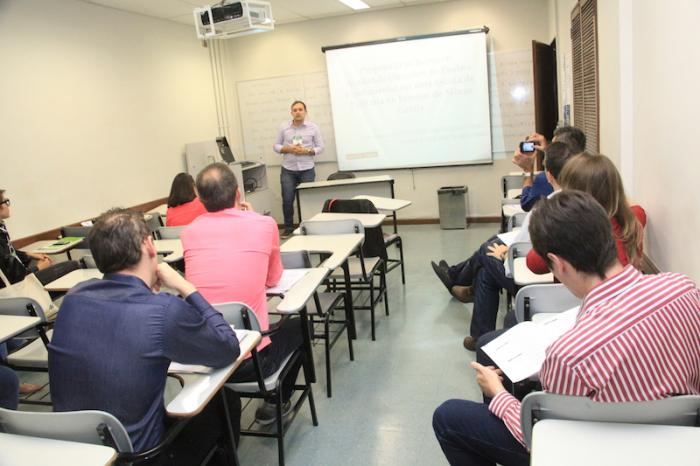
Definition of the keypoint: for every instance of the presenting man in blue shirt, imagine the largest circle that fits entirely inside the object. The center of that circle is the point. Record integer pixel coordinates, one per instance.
(115, 338)
(298, 141)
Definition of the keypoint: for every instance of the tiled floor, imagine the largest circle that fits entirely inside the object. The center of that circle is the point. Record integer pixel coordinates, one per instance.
(382, 405)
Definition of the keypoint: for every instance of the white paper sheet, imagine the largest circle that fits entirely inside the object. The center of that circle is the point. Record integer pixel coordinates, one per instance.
(520, 351)
(289, 279)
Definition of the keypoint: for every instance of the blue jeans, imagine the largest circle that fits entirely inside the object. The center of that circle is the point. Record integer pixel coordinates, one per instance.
(469, 434)
(9, 388)
(489, 280)
(290, 179)
(464, 272)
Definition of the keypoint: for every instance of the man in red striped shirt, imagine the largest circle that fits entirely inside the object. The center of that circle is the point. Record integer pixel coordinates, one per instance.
(636, 337)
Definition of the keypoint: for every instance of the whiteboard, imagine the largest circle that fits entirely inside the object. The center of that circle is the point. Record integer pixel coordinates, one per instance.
(264, 104)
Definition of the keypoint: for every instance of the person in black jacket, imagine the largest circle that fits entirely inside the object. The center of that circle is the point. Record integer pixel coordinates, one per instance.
(17, 264)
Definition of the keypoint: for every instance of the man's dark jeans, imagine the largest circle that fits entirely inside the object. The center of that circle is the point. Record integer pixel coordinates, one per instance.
(290, 179)
(469, 434)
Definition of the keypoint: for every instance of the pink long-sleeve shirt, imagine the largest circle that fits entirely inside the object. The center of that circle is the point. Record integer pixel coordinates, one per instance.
(232, 255)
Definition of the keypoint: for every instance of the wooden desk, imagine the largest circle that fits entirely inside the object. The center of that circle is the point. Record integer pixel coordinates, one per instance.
(71, 279)
(199, 389)
(523, 276)
(367, 220)
(21, 450)
(44, 246)
(311, 196)
(582, 443)
(170, 248)
(340, 247)
(11, 326)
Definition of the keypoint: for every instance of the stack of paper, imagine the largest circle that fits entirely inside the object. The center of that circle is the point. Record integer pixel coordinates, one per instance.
(520, 351)
(289, 279)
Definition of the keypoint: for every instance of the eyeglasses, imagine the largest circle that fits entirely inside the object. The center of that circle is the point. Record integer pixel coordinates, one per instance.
(6, 201)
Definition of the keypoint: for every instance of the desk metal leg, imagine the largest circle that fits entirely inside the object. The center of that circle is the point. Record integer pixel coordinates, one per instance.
(309, 368)
(229, 427)
(349, 309)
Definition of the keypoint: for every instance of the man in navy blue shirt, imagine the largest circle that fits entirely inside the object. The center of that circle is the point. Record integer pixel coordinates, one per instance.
(536, 187)
(114, 338)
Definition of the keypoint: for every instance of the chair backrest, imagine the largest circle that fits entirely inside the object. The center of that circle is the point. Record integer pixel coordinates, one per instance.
(374, 245)
(544, 298)
(76, 426)
(511, 182)
(296, 260)
(26, 307)
(77, 231)
(516, 221)
(169, 232)
(152, 221)
(516, 250)
(340, 176)
(239, 315)
(331, 227)
(674, 411)
(88, 261)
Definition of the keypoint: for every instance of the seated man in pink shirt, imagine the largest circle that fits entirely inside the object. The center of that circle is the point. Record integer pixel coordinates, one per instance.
(233, 254)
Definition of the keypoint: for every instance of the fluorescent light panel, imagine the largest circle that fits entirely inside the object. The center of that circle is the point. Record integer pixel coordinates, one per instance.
(355, 4)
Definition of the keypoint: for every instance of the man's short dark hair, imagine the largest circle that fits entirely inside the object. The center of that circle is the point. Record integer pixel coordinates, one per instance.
(555, 156)
(217, 187)
(571, 135)
(115, 239)
(573, 226)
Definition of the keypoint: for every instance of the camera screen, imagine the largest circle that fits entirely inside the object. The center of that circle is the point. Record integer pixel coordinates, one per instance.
(527, 146)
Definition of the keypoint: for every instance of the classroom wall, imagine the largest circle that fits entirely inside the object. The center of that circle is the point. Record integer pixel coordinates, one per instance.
(648, 64)
(97, 105)
(296, 48)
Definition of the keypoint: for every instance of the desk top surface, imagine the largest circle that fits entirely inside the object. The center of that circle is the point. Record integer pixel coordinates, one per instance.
(557, 442)
(367, 220)
(385, 203)
(360, 180)
(21, 450)
(71, 279)
(51, 246)
(296, 297)
(339, 246)
(198, 389)
(524, 276)
(14, 325)
(511, 209)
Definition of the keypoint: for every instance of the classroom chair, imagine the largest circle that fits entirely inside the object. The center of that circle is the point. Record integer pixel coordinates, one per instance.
(93, 427)
(515, 221)
(321, 311)
(363, 270)
(269, 388)
(33, 355)
(169, 232)
(82, 247)
(543, 299)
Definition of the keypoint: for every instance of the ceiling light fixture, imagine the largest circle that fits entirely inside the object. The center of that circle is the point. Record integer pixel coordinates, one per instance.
(355, 4)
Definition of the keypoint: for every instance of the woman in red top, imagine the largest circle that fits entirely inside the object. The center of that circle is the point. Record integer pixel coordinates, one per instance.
(596, 175)
(183, 203)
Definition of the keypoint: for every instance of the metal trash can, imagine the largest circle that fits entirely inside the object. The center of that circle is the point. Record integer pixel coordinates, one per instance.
(452, 203)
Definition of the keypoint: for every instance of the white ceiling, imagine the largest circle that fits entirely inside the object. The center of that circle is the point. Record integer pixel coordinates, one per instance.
(283, 11)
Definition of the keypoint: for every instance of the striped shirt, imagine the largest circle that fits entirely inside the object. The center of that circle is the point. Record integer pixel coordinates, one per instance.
(636, 338)
(307, 135)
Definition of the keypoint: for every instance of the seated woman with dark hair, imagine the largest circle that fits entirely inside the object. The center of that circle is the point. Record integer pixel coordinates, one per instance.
(183, 203)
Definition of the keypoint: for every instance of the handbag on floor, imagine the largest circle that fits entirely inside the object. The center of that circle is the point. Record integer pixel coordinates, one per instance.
(29, 287)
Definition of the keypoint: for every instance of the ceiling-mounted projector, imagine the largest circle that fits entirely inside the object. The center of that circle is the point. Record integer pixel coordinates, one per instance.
(233, 19)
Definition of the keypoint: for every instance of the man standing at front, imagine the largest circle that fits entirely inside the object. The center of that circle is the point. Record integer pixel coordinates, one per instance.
(298, 141)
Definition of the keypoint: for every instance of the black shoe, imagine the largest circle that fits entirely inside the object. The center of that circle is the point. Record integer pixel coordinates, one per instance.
(469, 343)
(286, 233)
(267, 412)
(442, 275)
(443, 264)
